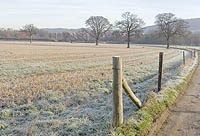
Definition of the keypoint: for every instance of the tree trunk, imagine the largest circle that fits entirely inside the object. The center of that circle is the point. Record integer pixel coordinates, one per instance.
(128, 40)
(168, 43)
(97, 41)
(56, 37)
(30, 39)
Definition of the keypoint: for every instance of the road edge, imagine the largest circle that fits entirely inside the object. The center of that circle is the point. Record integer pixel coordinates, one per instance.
(155, 111)
(157, 125)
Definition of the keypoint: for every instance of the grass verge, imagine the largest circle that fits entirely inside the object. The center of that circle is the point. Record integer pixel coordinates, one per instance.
(141, 122)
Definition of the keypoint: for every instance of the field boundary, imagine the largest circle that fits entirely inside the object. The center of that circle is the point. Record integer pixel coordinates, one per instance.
(155, 108)
(164, 116)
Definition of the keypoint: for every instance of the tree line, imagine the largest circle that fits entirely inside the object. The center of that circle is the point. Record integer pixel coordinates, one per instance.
(129, 29)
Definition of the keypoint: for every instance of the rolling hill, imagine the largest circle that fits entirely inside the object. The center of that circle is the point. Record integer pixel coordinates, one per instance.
(194, 26)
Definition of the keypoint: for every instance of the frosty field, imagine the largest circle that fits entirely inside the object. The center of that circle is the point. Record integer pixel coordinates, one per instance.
(56, 89)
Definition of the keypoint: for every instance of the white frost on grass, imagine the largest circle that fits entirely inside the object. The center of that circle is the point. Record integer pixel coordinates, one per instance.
(88, 112)
(181, 75)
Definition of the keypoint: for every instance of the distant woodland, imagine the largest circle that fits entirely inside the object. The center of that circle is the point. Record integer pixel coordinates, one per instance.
(151, 37)
(142, 35)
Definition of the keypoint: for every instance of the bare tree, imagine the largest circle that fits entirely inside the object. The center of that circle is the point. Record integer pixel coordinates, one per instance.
(118, 36)
(130, 25)
(66, 36)
(73, 37)
(83, 35)
(98, 26)
(30, 30)
(170, 26)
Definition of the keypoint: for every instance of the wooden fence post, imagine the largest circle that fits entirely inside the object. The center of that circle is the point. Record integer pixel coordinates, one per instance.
(184, 57)
(160, 73)
(117, 92)
(130, 93)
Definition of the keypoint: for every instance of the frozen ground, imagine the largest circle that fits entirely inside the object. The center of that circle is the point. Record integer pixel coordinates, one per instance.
(65, 89)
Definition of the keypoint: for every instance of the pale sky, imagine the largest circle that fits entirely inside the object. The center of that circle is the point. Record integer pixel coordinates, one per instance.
(73, 13)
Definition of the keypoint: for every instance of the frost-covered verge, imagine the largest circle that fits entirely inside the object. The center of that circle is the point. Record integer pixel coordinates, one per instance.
(186, 47)
(156, 103)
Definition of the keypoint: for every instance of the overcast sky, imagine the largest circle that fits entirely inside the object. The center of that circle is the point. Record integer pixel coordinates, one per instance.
(73, 13)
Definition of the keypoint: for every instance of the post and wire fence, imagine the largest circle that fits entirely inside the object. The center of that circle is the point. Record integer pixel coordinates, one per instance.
(120, 83)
